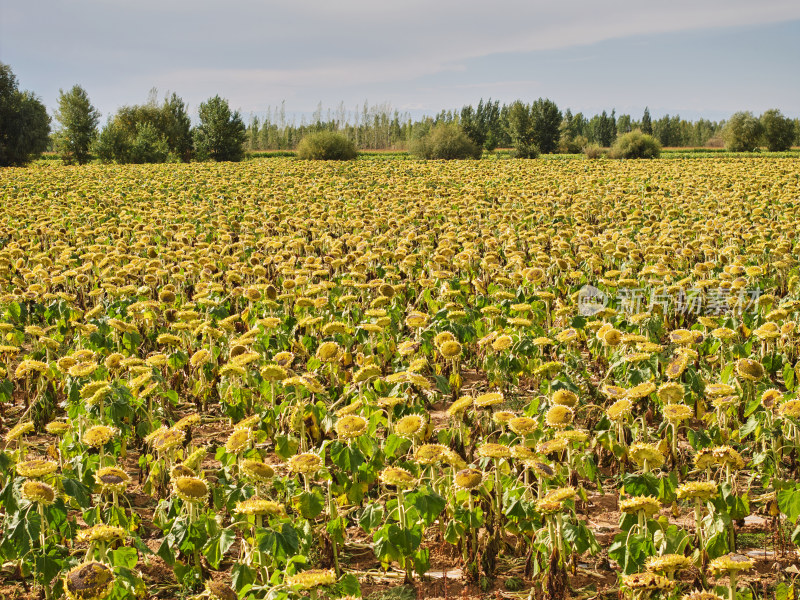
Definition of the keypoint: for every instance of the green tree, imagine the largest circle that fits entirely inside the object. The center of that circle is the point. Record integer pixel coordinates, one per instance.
(78, 119)
(472, 125)
(778, 130)
(742, 132)
(139, 133)
(521, 131)
(24, 122)
(647, 122)
(176, 127)
(546, 119)
(221, 133)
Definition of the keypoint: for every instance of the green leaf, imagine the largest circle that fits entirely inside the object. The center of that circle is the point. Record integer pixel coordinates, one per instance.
(125, 557)
(429, 504)
(310, 504)
(77, 490)
(789, 503)
(645, 484)
(372, 517)
(405, 540)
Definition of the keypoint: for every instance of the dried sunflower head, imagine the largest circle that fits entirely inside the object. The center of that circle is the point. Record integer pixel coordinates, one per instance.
(99, 435)
(468, 479)
(559, 416)
(647, 504)
(112, 479)
(700, 490)
(191, 489)
(640, 452)
(725, 565)
(397, 477)
(258, 506)
(410, 426)
(306, 463)
(490, 450)
(306, 580)
(38, 492)
(36, 469)
(89, 581)
(749, 369)
(238, 441)
(101, 533)
(351, 426)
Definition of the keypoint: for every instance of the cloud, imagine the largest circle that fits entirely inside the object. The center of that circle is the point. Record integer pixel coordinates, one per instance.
(252, 49)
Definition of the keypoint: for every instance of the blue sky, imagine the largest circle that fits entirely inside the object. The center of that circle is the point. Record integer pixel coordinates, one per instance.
(698, 58)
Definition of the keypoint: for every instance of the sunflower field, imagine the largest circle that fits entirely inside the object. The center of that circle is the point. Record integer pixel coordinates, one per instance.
(288, 379)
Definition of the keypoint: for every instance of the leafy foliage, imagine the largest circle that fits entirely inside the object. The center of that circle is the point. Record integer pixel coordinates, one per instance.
(220, 136)
(24, 122)
(78, 120)
(326, 145)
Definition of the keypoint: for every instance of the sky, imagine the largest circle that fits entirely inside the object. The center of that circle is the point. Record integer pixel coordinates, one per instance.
(696, 58)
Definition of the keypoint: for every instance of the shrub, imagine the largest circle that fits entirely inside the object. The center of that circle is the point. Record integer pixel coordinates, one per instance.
(326, 145)
(635, 145)
(742, 132)
(570, 145)
(445, 141)
(593, 151)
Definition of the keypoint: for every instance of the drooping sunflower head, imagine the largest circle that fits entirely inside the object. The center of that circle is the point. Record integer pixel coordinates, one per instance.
(351, 426)
(668, 563)
(468, 479)
(749, 369)
(646, 581)
(429, 454)
(38, 492)
(450, 349)
(258, 506)
(306, 463)
(239, 441)
(101, 533)
(257, 470)
(559, 416)
(640, 452)
(99, 435)
(410, 426)
(619, 410)
(701, 490)
(306, 580)
(191, 489)
(89, 581)
(522, 425)
(649, 505)
(112, 479)
(398, 477)
(555, 446)
(564, 397)
(725, 565)
(671, 393)
(490, 450)
(36, 469)
(675, 413)
(19, 430)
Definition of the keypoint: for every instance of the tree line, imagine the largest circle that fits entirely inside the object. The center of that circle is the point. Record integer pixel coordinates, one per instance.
(162, 131)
